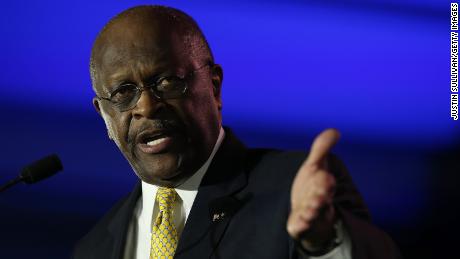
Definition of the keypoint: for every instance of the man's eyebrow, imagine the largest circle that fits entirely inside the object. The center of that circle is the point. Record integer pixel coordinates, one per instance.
(116, 79)
(150, 73)
(118, 76)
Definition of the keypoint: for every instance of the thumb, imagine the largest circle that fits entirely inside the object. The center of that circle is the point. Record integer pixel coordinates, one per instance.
(321, 146)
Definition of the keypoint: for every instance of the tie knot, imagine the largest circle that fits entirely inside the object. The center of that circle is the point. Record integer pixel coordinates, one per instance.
(165, 198)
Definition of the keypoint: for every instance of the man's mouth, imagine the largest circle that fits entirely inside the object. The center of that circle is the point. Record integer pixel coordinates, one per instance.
(156, 142)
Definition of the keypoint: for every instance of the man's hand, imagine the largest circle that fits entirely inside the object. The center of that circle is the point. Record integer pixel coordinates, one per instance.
(312, 216)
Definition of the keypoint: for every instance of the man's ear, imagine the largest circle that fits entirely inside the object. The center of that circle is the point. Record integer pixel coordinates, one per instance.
(217, 76)
(97, 106)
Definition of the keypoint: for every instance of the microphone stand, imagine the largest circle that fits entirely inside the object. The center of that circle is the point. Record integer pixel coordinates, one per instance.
(11, 183)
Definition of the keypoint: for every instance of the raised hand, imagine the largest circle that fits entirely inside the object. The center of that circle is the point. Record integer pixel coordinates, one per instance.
(312, 216)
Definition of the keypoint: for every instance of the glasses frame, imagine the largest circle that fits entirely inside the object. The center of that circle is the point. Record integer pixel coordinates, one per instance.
(153, 90)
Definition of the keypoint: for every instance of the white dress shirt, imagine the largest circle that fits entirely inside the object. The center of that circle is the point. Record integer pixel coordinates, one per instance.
(146, 210)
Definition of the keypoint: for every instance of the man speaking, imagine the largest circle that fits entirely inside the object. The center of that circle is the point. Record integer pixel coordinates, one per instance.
(202, 193)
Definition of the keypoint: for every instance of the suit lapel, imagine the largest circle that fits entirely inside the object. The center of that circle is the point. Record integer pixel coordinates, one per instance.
(118, 226)
(216, 202)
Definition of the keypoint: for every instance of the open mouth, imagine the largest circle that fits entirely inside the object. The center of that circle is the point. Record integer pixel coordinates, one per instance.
(155, 142)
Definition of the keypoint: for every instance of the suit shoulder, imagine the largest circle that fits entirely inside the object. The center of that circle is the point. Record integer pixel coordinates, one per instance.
(273, 168)
(276, 158)
(280, 166)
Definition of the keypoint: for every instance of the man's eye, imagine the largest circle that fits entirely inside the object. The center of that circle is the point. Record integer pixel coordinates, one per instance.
(123, 93)
(168, 84)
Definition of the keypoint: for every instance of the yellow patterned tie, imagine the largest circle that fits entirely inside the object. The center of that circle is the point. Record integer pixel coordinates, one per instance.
(164, 234)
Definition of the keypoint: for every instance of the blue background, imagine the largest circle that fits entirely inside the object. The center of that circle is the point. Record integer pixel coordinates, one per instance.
(377, 70)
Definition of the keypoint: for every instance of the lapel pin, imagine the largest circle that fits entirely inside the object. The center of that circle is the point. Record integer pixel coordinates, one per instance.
(218, 216)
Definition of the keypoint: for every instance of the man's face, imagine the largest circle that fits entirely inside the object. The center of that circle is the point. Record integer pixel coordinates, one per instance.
(164, 141)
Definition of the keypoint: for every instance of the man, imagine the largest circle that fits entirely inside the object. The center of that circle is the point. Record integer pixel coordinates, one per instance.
(202, 194)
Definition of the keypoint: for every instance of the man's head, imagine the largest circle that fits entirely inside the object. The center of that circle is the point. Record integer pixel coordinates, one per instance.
(164, 139)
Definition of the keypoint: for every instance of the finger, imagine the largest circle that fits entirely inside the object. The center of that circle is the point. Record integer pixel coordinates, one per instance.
(324, 183)
(302, 221)
(320, 185)
(296, 225)
(321, 146)
(308, 214)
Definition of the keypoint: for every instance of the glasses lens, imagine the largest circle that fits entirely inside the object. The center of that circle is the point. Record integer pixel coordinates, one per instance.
(124, 96)
(170, 87)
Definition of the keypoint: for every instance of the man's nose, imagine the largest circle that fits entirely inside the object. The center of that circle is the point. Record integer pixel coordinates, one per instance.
(146, 105)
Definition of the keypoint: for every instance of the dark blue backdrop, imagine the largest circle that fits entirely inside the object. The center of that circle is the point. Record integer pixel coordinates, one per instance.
(377, 70)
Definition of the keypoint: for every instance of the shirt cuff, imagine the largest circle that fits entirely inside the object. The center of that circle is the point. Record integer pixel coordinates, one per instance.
(342, 251)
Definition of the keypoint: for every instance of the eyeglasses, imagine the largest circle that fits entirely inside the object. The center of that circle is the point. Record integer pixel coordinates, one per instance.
(126, 96)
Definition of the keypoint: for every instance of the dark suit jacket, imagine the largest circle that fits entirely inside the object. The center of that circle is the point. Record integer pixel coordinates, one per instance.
(252, 188)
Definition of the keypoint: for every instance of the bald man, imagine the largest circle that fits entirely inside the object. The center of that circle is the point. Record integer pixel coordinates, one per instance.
(201, 192)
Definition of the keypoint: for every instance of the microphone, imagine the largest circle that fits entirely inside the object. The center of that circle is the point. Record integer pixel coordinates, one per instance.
(36, 171)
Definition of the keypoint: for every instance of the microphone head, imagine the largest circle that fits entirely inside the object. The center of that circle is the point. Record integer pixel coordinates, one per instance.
(41, 169)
